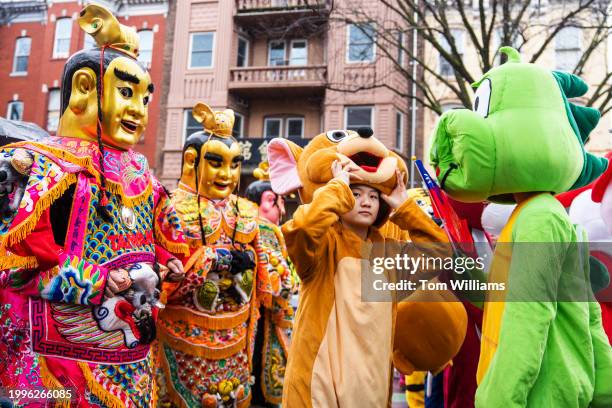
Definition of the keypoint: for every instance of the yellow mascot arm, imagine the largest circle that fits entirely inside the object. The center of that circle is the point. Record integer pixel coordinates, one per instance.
(304, 234)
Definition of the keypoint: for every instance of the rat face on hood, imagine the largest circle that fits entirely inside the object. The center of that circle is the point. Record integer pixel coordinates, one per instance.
(523, 135)
(293, 168)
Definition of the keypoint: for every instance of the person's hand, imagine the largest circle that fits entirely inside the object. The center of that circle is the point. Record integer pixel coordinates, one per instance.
(176, 272)
(346, 172)
(399, 194)
(118, 280)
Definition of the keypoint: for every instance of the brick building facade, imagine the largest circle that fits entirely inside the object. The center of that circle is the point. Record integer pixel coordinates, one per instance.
(273, 62)
(36, 38)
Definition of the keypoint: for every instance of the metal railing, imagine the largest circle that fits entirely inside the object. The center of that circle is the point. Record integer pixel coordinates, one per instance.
(273, 5)
(297, 74)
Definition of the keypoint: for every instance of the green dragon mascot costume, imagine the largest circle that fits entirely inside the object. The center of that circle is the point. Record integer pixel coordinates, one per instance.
(524, 142)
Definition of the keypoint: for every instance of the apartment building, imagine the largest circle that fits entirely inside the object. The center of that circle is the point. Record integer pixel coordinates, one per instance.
(36, 38)
(562, 53)
(273, 62)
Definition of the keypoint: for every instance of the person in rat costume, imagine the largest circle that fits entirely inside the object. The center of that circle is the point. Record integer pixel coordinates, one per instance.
(274, 326)
(207, 329)
(523, 141)
(78, 287)
(343, 347)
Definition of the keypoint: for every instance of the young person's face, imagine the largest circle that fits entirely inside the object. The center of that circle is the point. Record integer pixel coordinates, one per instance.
(367, 203)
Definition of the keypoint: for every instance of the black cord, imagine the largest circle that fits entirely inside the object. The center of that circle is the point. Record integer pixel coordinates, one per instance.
(202, 235)
(101, 207)
(235, 222)
(451, 167)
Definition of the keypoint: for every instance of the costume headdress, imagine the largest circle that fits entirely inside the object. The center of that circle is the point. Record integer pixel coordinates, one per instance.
(523, 135)
(262, 172)
(219, 123)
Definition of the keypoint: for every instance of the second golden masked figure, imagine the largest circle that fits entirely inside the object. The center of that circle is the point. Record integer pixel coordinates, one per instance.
(207, 329)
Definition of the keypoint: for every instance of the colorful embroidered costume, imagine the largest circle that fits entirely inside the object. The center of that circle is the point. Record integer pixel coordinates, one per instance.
(207, 329)
(276, 322)
(77, 274)
(542, 340)
(274, 326)
(208, 326)
(54, 274)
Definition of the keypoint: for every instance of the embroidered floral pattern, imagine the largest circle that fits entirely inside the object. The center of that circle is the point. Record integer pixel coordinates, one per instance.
(198, 378)
(76, 282)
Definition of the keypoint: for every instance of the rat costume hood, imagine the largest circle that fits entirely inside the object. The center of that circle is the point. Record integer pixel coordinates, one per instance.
(293, 168)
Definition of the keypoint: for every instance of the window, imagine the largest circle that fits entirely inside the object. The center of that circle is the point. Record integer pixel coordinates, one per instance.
(15, 110)
(53, 109)
(400, 48)
(567, 48)
(299, 52)
(399, 131)
(276, 53)
(292, 127)
(356, 117)
(63, 31)
(201, 54)
(237, 131)
(22, 55)
(295, 128)
(89, 42)
(145, 54)
(272, 127)
(446, 69)
(191, 125)
(243, 53)
(361, 39)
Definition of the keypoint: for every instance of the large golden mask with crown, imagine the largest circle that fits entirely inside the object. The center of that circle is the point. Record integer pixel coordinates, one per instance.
(126, 85)
(212, 158)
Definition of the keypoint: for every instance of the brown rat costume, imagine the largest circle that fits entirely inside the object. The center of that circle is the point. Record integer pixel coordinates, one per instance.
(343, 347)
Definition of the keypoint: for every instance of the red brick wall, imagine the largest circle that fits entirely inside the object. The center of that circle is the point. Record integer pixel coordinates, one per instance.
(44, 70)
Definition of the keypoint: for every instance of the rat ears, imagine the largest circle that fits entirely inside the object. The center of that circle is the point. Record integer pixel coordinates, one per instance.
(283, 156)
(104, 27)
(204, 115)
(95, 20)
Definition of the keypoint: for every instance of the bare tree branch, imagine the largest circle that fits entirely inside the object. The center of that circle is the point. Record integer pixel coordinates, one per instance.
(524, 24)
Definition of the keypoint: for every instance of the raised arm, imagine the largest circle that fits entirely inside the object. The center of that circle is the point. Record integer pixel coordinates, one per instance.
(305, 234)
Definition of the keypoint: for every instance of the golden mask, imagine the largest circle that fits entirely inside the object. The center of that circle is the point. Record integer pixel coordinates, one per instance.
(219, 168)
(127, 92)
(127, 86)
(219, 159)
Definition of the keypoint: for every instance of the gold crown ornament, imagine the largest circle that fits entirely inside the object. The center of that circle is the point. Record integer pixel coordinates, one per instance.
(219, 123)
(262, 172)
(104, 27)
